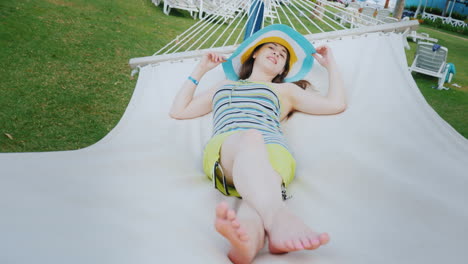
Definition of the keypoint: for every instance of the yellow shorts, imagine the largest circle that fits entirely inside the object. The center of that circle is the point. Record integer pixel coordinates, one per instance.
(280, 159)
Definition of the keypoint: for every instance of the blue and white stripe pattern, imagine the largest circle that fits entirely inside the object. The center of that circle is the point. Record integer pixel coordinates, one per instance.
(248, 105)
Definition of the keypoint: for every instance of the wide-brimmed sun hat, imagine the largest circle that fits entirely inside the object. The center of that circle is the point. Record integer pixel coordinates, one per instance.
(300, 51)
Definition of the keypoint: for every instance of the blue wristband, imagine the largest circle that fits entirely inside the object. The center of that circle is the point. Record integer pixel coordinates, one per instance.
(193, 80)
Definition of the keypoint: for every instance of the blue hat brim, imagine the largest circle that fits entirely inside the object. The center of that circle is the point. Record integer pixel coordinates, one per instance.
(303, 48)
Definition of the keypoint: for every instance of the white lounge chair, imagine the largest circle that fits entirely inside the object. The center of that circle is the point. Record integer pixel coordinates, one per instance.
(390, 20)
(221, 8)
(431, 62)
(348, 15)
(368, 11)
(382, 14)
(367, 16)
(271, 8)
(355, 5)
(415, 36)
(189, 5)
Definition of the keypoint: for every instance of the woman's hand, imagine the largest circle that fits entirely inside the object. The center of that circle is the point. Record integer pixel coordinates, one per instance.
(210, 60)
(324, 56)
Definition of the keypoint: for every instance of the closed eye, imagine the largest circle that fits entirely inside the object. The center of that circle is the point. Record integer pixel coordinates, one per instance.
(280, 52)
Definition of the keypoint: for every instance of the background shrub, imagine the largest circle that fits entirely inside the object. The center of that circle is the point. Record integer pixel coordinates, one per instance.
(438, 23)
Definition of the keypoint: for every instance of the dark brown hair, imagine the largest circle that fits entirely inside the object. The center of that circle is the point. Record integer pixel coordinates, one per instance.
(247, 67)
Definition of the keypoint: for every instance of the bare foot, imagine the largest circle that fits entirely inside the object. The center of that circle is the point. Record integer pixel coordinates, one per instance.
(288, 233)
(226, 223)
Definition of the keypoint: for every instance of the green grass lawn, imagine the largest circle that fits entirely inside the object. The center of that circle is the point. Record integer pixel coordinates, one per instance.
(66, 80)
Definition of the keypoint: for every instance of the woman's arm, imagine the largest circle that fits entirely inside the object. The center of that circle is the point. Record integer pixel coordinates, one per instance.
(184, 105)
(314, 103)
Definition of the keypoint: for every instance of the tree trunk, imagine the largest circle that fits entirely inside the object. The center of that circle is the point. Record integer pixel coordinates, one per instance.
(386, 3)
(400, 5)
(444, 13)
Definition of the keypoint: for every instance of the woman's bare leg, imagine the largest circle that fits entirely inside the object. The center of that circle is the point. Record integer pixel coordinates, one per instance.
(244, 159)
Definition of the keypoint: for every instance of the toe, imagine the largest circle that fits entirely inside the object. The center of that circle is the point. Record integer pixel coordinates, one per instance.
(289, 245)
(298, 245)
(221, 210)
(242, 234)
(324, 238)
(231, 215)
(306, 243)
(235, 224)
(315, 243)
(241, 231)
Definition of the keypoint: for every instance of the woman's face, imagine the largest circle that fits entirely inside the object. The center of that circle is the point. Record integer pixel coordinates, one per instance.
(273, 56)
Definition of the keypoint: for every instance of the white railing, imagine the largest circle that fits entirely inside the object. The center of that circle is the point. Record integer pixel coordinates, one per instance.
(445, 20)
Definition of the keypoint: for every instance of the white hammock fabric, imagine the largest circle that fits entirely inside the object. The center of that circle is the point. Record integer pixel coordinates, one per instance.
(386, 178)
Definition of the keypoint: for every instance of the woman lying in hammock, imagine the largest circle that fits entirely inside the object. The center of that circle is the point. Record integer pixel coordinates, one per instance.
(248, 156)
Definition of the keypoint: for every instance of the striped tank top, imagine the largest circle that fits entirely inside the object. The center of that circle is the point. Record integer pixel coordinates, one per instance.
(248, 105)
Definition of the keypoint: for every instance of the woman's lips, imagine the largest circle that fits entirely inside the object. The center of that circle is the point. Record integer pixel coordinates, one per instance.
(272, 59)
